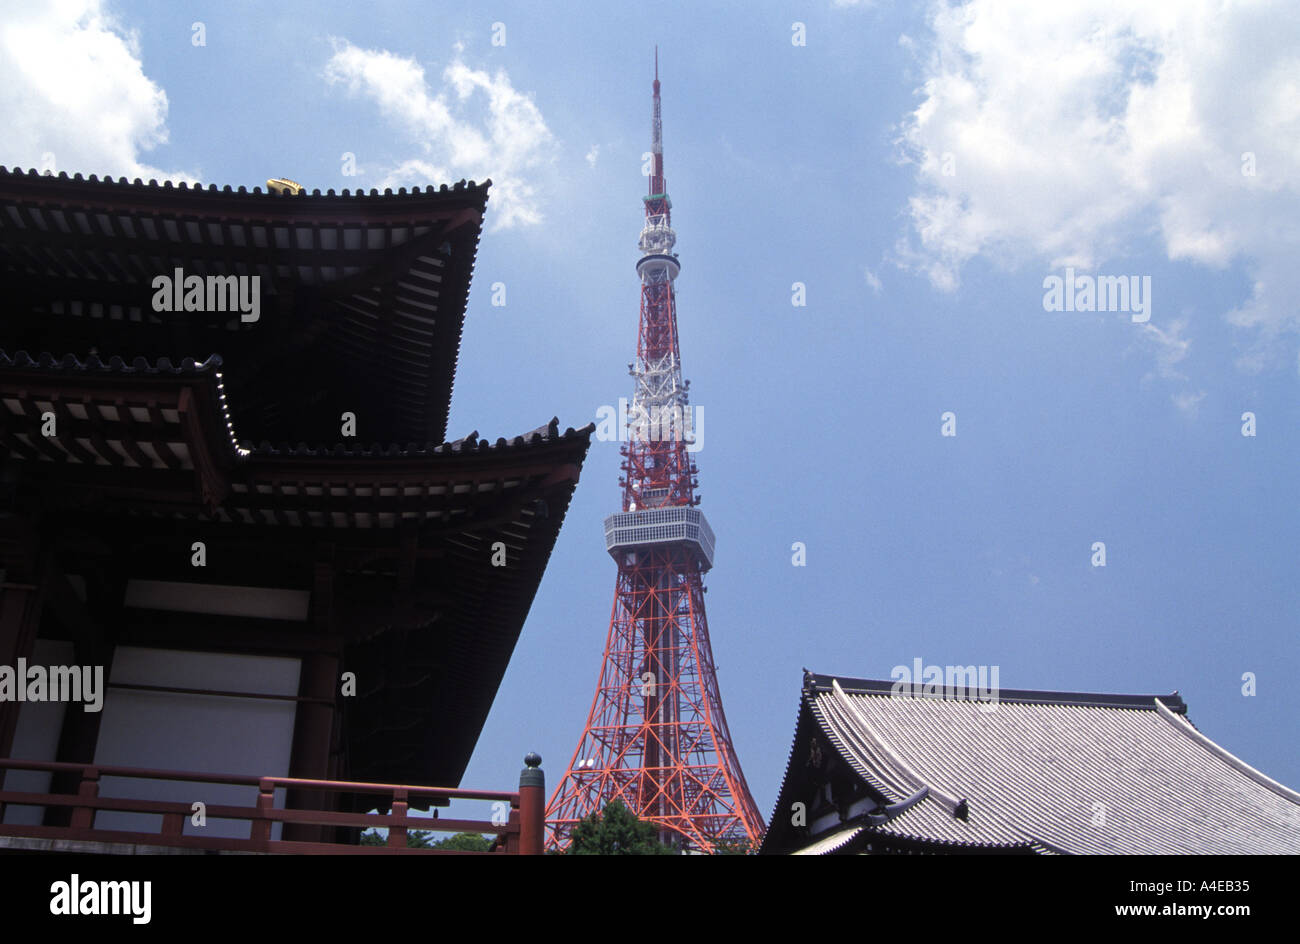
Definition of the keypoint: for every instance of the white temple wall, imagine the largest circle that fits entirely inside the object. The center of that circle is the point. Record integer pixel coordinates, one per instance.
(37, 734)
(207, 733)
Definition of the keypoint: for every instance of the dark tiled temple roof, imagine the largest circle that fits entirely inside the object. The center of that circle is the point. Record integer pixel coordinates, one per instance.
(1037, 772)
(21, 360)
(466, 444)
(78, 380)
(362, 295)
(169, 190)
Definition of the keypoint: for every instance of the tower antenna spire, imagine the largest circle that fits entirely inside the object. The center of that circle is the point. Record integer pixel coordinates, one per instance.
(657, 184)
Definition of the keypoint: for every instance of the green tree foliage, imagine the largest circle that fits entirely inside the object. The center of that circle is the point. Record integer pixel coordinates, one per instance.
(423, 839)
(735, 847)
(615, 830)
(466, 842)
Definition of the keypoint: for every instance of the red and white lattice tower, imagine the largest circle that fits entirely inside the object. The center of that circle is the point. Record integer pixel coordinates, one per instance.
(656, 737)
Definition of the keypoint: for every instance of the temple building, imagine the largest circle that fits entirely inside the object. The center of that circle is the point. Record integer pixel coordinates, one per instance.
(225, 486)
(878, 771)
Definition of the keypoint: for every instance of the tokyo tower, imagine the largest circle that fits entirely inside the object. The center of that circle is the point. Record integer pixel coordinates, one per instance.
(656, 736)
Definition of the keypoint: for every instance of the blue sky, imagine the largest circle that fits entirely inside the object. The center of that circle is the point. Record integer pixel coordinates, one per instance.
(921, 170)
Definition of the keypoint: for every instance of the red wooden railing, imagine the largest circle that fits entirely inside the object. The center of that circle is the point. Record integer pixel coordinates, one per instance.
(520, 834)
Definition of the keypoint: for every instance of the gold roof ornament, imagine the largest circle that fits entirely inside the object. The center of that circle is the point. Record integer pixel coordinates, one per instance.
(284, 185)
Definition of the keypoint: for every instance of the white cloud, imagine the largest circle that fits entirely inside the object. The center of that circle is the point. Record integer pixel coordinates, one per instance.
(1188, 402)
(73, 92)
(1169, 344)
(1078, 129)
(593, 155)
(873, 280)
(1171, 348)
(476, 125)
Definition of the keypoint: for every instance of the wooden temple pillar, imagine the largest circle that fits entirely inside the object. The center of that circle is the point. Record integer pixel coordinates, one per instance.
(24, 588)
(94, 626)
(313, 731)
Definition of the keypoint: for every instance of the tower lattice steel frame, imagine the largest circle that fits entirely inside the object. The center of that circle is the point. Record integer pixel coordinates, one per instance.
(656, 736)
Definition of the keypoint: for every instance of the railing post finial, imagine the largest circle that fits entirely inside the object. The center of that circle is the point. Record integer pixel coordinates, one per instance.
(532, 805)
